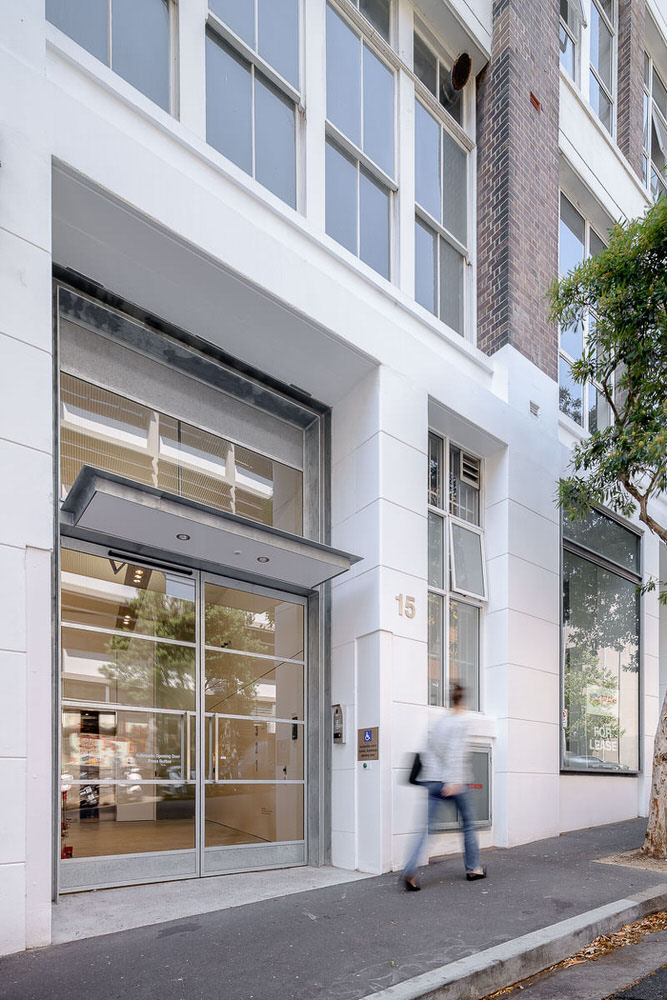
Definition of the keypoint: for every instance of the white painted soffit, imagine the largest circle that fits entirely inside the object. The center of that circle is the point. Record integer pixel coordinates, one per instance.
(113, 508)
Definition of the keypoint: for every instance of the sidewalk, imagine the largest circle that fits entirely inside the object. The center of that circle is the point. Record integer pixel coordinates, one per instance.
(347, 941)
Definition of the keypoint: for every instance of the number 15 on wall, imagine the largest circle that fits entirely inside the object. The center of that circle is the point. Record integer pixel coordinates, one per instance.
(406, 605)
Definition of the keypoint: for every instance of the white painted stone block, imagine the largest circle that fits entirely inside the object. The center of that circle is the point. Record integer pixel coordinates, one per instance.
(13, 701)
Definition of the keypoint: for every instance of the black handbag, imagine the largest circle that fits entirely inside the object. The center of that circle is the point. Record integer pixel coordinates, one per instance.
(415, 770)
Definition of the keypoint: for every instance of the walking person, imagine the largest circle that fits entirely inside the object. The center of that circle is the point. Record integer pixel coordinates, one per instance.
(446, 775)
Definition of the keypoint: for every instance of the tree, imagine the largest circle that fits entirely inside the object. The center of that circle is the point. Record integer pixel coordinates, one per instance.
(624, 465)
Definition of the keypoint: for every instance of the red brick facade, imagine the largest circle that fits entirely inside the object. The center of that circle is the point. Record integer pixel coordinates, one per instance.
(517, 181)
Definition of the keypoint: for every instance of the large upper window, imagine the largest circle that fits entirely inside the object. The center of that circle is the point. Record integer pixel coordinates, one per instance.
(571, 19)
(586, 405)
(252, 88)
(360, 153)
(600, 642)
(456, 571)
(437, 77)
(654, 161)
(603, 60)
(378, 12)
(441, 226)
(130, 36)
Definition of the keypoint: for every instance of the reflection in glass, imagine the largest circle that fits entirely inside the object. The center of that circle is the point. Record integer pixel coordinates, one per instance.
(228, 102)
(373, 224)
(378, 111)
(377, 12)
(572, 339)
(566, 46)
(275, 142)
(140, 51)
(341, 198)
(435, 650)
(248, 685)
(253, 814)
(343, 77)
(464, 650)
(601, 47)
(454, 188)
(85, 21)
(253, 750)
(426, 279)
(425, 64)
(601, 668)
(435, 551)
(569, 392)
(253, 623)
(451, 286)
(603, 534)
(600, 102)
(572, 232)
(435, 470)
(467, 570)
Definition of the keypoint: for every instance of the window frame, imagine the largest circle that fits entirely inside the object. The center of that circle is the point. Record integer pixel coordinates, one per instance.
(612, 95)
(447, 593)
(368, 36)
(574, 38)
(219, 31)
(563, 355)
(442, 58)
(651, 108)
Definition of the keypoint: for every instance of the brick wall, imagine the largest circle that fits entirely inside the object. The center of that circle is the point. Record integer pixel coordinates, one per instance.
(517, 185)
(629, 122)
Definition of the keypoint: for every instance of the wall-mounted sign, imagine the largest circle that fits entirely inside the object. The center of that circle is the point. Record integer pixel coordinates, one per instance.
(368, 743)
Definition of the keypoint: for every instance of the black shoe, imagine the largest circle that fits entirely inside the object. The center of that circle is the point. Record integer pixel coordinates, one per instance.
(411, 886)
(473, 876)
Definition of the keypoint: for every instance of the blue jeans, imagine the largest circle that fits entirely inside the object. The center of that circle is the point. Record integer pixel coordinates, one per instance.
(470, 847)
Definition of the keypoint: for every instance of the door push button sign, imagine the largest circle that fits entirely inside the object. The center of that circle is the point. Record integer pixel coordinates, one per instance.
(368, 743)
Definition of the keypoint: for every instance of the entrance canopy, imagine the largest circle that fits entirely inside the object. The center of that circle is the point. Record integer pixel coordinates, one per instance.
(107, 507)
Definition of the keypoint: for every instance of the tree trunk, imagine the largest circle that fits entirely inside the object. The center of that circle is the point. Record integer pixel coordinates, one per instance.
(655, 842)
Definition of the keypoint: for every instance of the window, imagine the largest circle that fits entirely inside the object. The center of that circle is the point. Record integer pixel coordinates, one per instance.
(437, 78)
(456, 571)
(586, 405)
(571, 20)
(600, 642)
(130, 36)
(378, 12)
(359, 163)
(654, 159)
(252, 88)
(441, 223)
(602, 60)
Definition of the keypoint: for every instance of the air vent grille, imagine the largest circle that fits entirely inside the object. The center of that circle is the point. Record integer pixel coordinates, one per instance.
(470, 470)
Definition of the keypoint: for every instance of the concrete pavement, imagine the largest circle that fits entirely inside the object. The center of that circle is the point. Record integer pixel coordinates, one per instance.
(348, 941)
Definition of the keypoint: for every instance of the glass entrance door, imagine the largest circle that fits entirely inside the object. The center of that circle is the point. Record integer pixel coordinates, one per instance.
(182, 728)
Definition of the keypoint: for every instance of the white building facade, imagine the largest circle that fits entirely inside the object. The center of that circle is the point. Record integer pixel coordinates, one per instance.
(281, 422)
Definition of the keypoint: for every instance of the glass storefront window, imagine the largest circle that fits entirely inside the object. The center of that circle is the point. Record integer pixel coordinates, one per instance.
(600, 624)
(108, 431)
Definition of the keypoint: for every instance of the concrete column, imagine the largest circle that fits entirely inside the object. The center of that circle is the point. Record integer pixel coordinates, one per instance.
(192, 66)
(26, 513)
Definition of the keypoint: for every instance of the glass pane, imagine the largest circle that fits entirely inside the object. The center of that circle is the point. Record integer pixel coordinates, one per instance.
(601, 668)
(605, 536)
(599, 411)
(127, 818)
(112, 594)
(566, 46)
(454, 188)
(126, 670)
(427, 161)
(600, 103)
(254, 749)
(450, 98)
(140, 46)
(85, 21)
(275, 141)
(341, 198)
(239, 15)
(425, 64)
(464, 650)
(253, 814)
(463, 497)
(435, 470)
(252, 685)
(646, 119)
(378, 111)
(127, 746)
(253, 623)
(435, 664)
(268, 491)
(377, 12)
(572, 339)
(467, 561)
(451, 286)
(569, 392)
(659, 93)
(601, 47)
(572, 232)
(195, 464)
(373, 224)
(647, 69)
(426, 282)
(228, 103)
(658, 143)
(608, 8)
(343, 77)
(596, 245)
(278, 28)
(436, 534)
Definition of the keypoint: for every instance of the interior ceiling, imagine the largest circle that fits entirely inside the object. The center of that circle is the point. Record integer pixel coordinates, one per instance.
(131, 256)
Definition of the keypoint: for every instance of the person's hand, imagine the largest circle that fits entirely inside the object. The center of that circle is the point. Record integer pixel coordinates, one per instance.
(449, 789)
